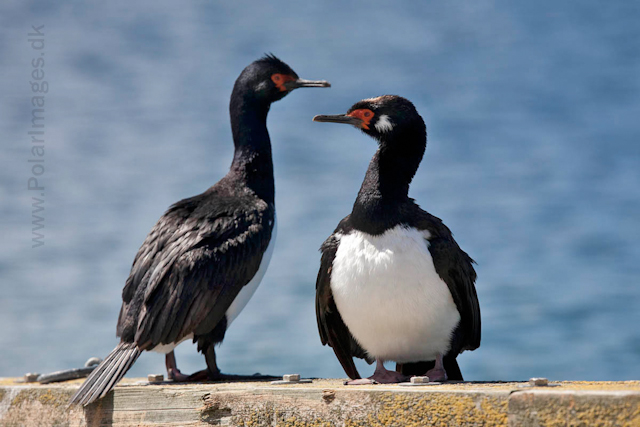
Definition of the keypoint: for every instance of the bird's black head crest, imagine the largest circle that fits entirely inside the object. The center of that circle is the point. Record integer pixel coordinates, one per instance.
(269, 79)
(271, 59)
(274, 64)
(258, 78)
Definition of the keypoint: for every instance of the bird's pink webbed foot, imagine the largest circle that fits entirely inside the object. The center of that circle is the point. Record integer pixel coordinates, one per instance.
(380, 376)
(437, 373)
(173, 373)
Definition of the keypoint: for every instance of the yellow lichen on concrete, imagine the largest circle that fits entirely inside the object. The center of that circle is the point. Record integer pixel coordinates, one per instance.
(36, 407)
(8, 381)
(601, 385)
(275, 409)
(574, 409)
(438, 409)
(296, 422)
(495, 411)
(56, 397)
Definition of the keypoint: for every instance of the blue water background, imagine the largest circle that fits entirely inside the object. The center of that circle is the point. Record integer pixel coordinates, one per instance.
(533, 160)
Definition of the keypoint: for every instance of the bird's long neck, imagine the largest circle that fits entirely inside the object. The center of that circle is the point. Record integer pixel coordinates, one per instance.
(385, 188)
(252, 161)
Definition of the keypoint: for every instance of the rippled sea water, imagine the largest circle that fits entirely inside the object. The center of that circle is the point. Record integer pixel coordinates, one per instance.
(533, 161)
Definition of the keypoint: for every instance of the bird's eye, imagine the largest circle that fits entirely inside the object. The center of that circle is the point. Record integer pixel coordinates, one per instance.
(280, 80)
(367, 114)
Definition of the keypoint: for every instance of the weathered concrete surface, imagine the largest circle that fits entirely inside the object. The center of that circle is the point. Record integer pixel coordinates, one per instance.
(574, 408)
(325, 403)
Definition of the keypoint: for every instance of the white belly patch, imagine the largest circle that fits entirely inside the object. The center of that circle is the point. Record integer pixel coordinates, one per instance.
(390, 297)
(168, 348)
(250, 288)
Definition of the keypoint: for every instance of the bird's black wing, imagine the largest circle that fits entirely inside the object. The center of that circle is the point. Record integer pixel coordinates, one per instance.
(455, 268)
(332, 329)
(192, 265)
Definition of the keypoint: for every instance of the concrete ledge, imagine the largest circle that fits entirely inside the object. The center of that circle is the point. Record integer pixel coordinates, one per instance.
(326, 403)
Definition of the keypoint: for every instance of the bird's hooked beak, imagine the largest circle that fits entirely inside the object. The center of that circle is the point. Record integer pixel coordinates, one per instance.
(295, 84)
(340, 118)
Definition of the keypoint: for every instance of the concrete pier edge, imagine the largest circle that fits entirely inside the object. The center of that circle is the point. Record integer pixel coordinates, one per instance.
(135, 402)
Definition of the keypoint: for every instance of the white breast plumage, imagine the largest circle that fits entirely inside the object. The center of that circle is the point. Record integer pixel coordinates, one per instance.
(391, 297)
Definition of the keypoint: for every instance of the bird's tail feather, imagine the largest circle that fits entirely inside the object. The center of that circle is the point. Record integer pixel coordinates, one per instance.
(107, 374)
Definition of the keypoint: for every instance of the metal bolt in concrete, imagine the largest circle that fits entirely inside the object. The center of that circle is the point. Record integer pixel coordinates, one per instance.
(538, 382)
(155, 378)
(291, 377)
(31, 377)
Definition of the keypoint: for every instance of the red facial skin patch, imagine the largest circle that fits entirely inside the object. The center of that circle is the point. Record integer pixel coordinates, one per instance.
(280, 79)
(363, 114)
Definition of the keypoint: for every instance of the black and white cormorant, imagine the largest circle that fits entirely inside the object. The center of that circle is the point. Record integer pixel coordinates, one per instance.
(206, 255)
(393, 284)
